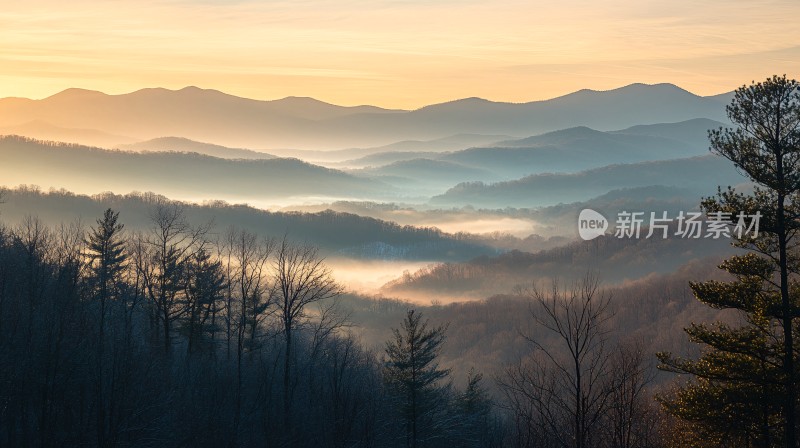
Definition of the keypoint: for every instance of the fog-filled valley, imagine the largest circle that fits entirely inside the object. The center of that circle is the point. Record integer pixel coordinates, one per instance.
(437, 204)
(268, 259)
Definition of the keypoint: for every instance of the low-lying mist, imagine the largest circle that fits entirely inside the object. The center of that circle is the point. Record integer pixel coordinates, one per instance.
(519, 223)
(368, 276)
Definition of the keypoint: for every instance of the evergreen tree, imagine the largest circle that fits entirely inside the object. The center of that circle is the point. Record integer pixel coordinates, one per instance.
(205, 285)
(739, 389)
(413, 371)
(106, 252)
(474, 406)
(745, 388)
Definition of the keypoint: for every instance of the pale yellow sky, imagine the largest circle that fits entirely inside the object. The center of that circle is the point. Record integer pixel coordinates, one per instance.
(393, 53)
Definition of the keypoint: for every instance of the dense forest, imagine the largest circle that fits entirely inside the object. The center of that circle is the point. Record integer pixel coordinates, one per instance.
(166, 338)
(178, 333)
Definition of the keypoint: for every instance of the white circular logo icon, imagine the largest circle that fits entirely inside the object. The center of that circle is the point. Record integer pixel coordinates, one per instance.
(591, 224)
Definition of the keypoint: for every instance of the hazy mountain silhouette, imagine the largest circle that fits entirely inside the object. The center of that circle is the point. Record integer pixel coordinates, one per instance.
(602, 110)
(199, 114)
(179, 144)
(427, 174)
(384, 158)
(213, 116)
(180, 175)
(42, 130)
(389, 175)
(701, 174)
(723, 98)
(342, 157)
(451, 143)
(567, 150)
(572, 150)
(693, 132)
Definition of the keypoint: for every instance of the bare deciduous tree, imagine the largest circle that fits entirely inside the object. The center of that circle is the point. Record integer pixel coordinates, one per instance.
(171, 243)
(565, 384)
(250, 295)
(631, 413)
(302, 279)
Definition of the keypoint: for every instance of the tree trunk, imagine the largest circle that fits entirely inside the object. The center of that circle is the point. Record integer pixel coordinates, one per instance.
(167, 343)
(788, 318)
(287, 399)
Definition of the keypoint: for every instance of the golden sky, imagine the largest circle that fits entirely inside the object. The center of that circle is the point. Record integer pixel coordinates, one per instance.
(393, 53)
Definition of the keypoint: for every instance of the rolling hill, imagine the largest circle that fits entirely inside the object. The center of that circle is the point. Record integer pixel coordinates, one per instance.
(336, 234)
(693, 132)
(426, 174)
(180, 175)
(344, 157)
(698, 174)
(178, 144)
(615, 260)
(42, 130)
(564, 151)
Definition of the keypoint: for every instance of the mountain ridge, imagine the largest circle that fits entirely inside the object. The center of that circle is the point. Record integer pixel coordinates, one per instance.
(301, 122)
(84, 169)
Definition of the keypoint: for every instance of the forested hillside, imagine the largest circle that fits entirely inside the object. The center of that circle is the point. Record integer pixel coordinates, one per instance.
(181, 175)
(129, 328)
(335, 233)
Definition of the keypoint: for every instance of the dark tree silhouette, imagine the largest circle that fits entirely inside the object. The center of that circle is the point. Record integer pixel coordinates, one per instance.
(63, 384)
(749, 360)
(205, 285)
(105, 250)
(562, 392)
(412, 368)
(302, 279)
(170, 243)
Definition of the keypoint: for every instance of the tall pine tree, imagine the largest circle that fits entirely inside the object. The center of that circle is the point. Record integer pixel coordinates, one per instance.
(744, 391)
(106, 253)
(413, 371)
(107, 256)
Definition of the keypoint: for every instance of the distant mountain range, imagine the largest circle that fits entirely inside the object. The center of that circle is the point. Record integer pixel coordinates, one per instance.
(426, 176)
(342, 156)
(564, 151)
(196, 144)
(579, 148)
(219, 118)
(179, 175)
(560, 166)
(699, 174)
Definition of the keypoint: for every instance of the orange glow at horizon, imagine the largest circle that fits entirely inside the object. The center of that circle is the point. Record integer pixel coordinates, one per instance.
(393, 53)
